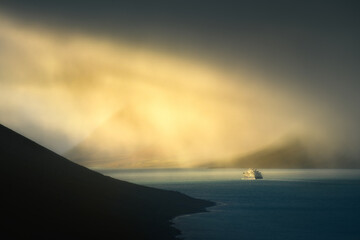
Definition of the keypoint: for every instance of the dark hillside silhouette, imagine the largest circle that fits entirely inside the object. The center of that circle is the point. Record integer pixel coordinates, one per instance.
(47, 196)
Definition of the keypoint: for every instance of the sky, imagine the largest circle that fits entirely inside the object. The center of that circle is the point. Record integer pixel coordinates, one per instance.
(210, 79)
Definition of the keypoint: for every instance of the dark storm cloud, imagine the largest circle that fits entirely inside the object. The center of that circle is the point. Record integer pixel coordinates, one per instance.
(306, 38)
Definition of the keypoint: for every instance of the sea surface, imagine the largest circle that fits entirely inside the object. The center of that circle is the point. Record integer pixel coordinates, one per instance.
(286, 204)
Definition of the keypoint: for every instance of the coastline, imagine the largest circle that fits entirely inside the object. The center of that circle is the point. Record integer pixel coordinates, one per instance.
(204, 211)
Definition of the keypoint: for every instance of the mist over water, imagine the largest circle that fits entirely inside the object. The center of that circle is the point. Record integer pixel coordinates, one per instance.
(190, 175)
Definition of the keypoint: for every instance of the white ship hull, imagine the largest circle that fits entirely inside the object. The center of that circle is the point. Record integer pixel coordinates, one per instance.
(251, 178)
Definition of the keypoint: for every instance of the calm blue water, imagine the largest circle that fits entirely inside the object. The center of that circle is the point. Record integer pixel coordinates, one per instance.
(286, 204)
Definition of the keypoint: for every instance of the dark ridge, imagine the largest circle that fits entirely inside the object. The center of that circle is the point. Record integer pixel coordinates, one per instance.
(290, 154)
(47, 196)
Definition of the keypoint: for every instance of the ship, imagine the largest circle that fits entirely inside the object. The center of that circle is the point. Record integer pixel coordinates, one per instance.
(252, 174)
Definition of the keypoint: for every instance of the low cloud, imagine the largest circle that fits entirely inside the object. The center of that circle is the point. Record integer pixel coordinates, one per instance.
(57, 87)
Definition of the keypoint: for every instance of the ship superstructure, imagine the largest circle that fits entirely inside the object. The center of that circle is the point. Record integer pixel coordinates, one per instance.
(252, 173)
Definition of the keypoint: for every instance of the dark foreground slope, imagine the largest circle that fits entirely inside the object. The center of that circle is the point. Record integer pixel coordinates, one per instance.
(46, 196)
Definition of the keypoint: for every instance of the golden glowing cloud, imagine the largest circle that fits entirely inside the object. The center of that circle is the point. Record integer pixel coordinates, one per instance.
(68, 84)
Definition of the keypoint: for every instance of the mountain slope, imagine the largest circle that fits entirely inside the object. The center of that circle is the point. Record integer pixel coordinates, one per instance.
(127, 140)
(46, 195)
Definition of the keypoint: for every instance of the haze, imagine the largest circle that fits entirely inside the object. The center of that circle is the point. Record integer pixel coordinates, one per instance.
(61, 84)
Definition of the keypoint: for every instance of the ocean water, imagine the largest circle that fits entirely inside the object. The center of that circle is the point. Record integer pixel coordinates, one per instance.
(286, 204)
